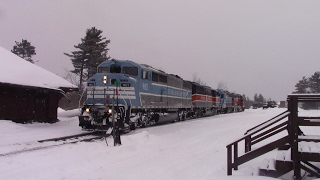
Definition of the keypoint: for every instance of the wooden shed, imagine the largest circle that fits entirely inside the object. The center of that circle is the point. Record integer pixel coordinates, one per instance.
(27, 92)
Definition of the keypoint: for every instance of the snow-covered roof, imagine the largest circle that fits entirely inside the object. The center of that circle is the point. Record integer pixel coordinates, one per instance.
(17, 71)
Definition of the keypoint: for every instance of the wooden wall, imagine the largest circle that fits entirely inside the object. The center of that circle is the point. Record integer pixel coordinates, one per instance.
(22, 104)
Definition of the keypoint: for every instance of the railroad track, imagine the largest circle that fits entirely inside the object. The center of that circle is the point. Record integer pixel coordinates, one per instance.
(60, 141)
(76, 136)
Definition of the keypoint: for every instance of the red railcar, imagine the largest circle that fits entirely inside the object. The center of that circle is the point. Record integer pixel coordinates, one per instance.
(238, 102)
(205, 101)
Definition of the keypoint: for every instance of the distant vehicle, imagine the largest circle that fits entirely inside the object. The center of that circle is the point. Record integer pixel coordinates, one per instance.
(269, 104)
(282, 104)
(256, 105)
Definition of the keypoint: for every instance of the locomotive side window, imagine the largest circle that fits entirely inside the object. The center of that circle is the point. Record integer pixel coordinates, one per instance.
(133, 71)
(163, 78)
(155, 77)
(103, 70)
(115, 69)
(144, 74)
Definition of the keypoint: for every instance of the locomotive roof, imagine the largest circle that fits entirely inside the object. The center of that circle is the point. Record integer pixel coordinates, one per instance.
(17, 71)
(152, 68)
(176, 76)
(114, 61)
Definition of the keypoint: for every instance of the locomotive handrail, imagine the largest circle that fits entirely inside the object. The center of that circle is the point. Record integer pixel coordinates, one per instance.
(127, 96)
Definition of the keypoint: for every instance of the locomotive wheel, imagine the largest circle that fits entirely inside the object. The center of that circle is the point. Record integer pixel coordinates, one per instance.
(133, 126)
(144, 122)
(183, 116)
(177, 119)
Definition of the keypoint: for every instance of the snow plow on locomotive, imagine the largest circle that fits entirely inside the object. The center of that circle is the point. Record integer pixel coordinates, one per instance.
(138, 95)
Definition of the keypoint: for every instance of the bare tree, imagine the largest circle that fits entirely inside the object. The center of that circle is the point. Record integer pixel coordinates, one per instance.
(197, 79)
(222, 86)
(72, 78)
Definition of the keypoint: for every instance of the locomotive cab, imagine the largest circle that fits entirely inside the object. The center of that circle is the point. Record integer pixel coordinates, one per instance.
(112, 87)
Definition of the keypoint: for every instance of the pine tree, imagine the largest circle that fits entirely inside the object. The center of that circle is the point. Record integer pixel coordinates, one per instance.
(309, 85)
(261, 98)
(24, 49)
(314, 83)
(255, 98)
(248, 102)
(302, 86)
(91, 52)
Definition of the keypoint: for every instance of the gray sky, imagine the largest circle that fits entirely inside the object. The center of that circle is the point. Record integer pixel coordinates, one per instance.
(252, 46)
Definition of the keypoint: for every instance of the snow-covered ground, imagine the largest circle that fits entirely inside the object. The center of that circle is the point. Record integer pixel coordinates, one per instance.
(194, 149)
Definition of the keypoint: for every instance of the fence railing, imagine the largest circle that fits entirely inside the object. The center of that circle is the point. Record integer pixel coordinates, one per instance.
(255, 135)
(276, 125)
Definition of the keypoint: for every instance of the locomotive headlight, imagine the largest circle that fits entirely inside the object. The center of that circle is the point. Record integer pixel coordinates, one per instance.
(87, 110)
(104, 79)
(110, 111)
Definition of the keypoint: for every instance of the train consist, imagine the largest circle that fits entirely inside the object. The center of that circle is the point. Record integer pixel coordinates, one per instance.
(138, 95)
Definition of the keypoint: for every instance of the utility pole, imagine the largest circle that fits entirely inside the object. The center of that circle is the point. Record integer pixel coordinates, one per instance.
(117, 131)
(105, 79)
(113, 123)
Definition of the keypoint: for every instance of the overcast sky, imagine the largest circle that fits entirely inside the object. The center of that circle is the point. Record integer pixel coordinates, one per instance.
(252, 46)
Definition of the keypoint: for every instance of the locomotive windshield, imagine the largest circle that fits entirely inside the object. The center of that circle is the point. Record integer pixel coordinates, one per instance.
(133, 71)
(115, 69)
(103, 70)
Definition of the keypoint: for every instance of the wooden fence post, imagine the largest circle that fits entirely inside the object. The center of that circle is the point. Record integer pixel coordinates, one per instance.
(235, 155)
(293, 132)
(229, 160)
(247, 144)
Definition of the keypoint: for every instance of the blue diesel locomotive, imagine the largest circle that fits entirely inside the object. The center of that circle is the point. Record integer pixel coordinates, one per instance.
(138, 95)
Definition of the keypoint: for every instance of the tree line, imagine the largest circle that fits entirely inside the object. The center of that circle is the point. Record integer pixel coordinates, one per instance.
(257, 99)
